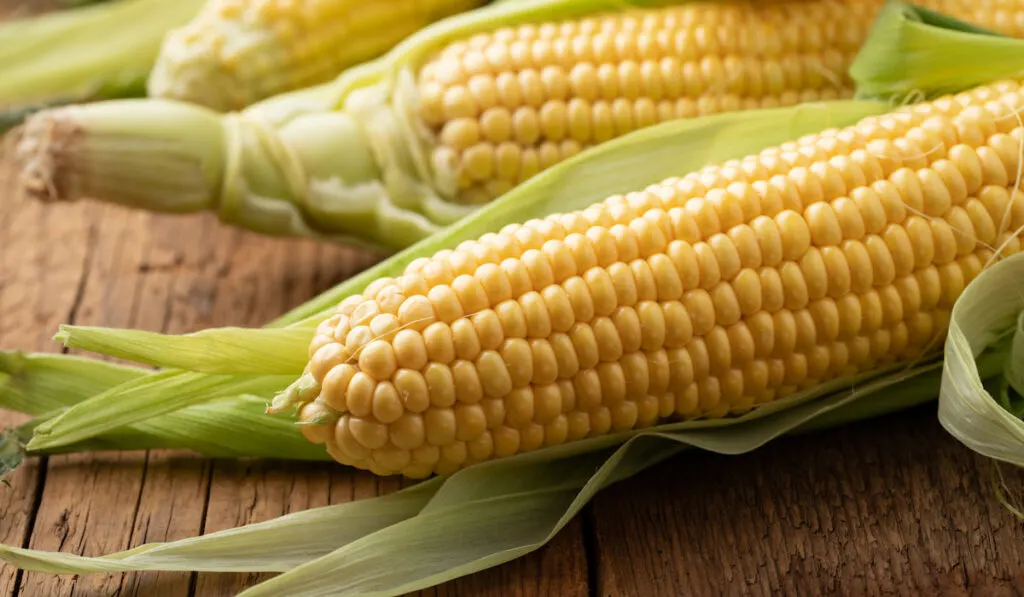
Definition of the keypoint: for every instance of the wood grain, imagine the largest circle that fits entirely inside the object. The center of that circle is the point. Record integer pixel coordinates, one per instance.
(886, 507)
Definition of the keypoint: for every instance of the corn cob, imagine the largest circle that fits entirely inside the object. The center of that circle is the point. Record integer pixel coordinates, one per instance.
(501, 106)
(702, 296)
(457, 114)
(237, 52)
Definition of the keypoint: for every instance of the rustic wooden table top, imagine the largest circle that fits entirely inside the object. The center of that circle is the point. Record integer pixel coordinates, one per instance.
(890, 506)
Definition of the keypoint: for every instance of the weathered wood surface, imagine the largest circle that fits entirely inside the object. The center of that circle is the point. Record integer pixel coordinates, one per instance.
(892, 506)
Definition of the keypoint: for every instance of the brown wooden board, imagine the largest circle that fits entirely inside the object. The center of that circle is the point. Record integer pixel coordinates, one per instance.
(892, 506)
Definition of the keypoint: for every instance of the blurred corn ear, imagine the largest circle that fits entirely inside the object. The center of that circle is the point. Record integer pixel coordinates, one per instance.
(236, 52)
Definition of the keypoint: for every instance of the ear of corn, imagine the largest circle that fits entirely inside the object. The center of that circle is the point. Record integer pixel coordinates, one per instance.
(642, 158)
(237, 52)
(455, 115)
(699, 297)
(90, 52)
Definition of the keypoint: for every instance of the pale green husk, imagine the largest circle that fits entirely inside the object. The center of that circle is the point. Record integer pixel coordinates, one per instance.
(913, 53)
(86, 52)
(987, 309)
(496, 511)
(46, 385)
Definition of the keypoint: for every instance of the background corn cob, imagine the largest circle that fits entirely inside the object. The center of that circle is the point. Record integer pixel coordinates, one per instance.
(459, 113)
(501, 106)
(236, 52)
(699, 297)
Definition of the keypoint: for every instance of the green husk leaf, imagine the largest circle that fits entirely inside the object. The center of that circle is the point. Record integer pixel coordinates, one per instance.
(101, 51)
(914, 53)
(220, 350)
(144, 398)
(1015, 375)
(988, 308)
(46, 385)
(38, 383)
(272, 546)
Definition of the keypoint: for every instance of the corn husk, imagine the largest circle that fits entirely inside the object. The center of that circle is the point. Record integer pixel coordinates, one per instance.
(46, 385)
(495, 511)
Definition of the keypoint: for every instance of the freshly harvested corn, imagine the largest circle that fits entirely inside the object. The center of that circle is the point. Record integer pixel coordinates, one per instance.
(236, 52)
(467, 109)
(702, 296)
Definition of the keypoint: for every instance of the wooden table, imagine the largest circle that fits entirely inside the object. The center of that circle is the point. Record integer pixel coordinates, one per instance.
(891, 506)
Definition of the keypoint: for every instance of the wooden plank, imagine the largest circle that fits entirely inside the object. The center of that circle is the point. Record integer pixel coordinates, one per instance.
(893, 506)
(41, 285)
(172, 502)
(89, 502)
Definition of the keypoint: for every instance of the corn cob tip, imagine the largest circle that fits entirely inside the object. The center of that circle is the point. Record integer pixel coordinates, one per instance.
(189, 72)
(34, 147)
(210, 62)
(302, 390)
(235, 53)
(158, 155)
